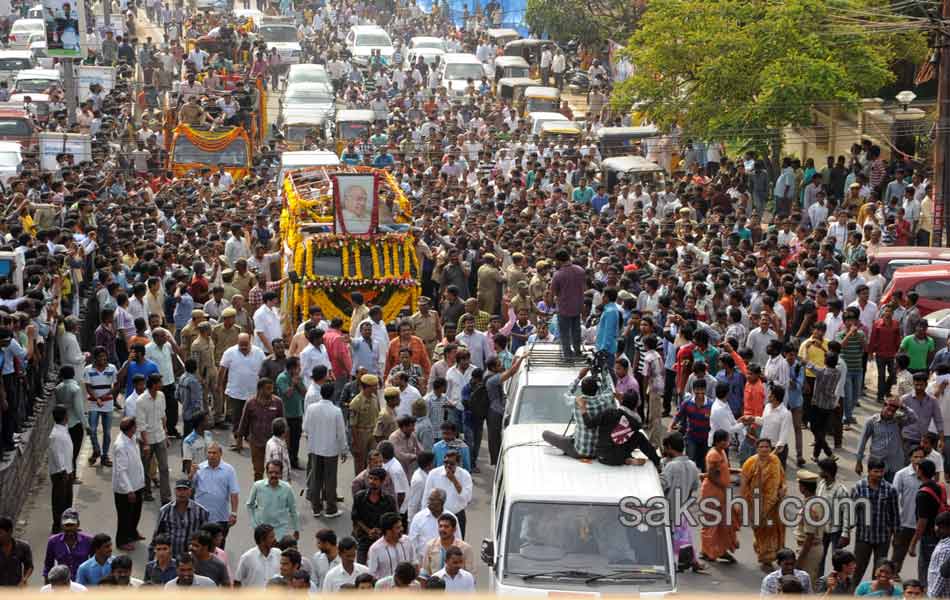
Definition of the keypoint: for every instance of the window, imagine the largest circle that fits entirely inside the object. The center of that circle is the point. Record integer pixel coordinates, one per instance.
(15, 64)
(328, 265)
(278, 34)
(235, 155)
(373, 39)
(934, 290)
(15, 128)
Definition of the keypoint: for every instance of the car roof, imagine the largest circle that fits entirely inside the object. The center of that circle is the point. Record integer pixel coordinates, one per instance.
(646, 131)
(937, 316)
(16, 54)
(29, 22)
(542, 91)
(630, 163)
(547, 116)
(38, 74)
(307, 67)
(910, 252)
(511, 61)
(535, 471)
(359, 114)
(310, 86)
(309, 158)
(427, 52)
(365, 28)
(10, 146)
(460, 57)
(426, 38)
(923, 271)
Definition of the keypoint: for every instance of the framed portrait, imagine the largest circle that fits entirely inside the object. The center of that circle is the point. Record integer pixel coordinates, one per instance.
(354, 200)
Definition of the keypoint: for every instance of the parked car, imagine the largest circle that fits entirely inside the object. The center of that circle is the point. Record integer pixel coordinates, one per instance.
(931, 282)
(11, 158)
(14, 61)
(891, 258)
(16, 126)
(24, 32)
(939, 327)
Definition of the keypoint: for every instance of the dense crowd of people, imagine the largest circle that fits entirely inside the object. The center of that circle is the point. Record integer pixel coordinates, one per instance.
(737, 305)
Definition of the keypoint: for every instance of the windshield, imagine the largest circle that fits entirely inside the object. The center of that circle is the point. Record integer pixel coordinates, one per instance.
(27, 27)
(235, 155)
(541, 105)
(583, 539)
(516, 71)
(353, 130)
(544, 404)
(308, 76)
(36, 86)
(429, 44)
(15, 64)
(373, 39)
(308, 97)
(277, 34)
(15, 128)
(464, 71)
(297, 133)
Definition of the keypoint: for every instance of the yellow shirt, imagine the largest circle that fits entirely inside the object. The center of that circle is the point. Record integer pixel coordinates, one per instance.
(814, 353)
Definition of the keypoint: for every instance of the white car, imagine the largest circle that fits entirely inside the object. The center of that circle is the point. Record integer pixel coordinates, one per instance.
(26, 31)
(363, 40)
(306, 103)
(307, 73)
(282, 36)
(11, 159)
(14, 61)
(427, 42)
(430, 56)
(36, 81)
(456, 70)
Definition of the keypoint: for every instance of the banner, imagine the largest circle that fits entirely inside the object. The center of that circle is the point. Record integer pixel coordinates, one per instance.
(211, 141)
(620, 67)
(65, 28)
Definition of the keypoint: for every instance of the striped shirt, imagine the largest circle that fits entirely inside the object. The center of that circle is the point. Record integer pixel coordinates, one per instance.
(876, 527)
(383, 556)
(100, 382)
(180, 525)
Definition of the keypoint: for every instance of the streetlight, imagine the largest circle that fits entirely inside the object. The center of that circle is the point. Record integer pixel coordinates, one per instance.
(905, 98)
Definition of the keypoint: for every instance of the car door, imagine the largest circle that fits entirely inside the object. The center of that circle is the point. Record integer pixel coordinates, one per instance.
(934, 295)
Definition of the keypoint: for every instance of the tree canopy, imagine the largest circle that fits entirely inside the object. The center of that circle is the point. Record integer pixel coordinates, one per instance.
(741, 69)
(584, 20)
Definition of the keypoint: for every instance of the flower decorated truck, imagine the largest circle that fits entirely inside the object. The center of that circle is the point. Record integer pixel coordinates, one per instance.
(344, 230)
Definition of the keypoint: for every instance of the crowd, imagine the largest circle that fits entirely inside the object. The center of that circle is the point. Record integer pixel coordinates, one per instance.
(737, 304)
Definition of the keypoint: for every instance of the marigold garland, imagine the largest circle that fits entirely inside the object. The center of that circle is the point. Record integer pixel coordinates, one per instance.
(387, 273)
(406, 260)
(346, 263)
(374, 252)
(358, 265)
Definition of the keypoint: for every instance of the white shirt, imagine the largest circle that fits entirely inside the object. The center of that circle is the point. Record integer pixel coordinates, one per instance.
(380, 338)
(321, 566)
(162, 357)
(868, 314)
(266, 324)
(60, 453)
(776, 424)
(875, 285)
(243, 370)
(337, 576)
(848, 286)
(128, 474)
(313, 356)
(833, 324)
(255, 570)
(382, 558)
(424, 527)
(406, 398)
(400, 482)
(462, 582)
(73, 587)
(326, 433)
(456, 380)
(455, 502)
(149, 414)
(721, 417)
(776, 371)
(200, 581)
(414, 500)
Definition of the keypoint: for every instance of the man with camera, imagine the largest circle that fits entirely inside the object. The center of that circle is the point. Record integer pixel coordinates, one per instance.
(592, 403)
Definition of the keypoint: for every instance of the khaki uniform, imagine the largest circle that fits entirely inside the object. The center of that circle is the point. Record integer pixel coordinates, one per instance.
(202, 350)
(811, 560)
(223, 338)
(518, 302)
(427, 329)
(188, 335)
(513, 276)
(243, 283)
(364, 411)
(489, 279)
(538, 287)
(245, 321)
(385, 424)
(229, 291)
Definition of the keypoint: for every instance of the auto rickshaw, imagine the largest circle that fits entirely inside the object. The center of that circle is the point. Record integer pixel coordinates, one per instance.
(541, 99)
(633, 169)
(500, 37)
(352, 125)
(561, 132)
(296, 132)
(511, 66)
(617, 141)
(529, 49)
(512, 89)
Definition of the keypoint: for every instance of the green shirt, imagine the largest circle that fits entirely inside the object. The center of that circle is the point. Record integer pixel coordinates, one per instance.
(292, 396)
(275, 506)
(917, 350)
(852, 351)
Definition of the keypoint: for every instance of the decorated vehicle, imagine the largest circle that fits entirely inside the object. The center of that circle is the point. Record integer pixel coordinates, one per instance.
(194, 149)
(346, 229)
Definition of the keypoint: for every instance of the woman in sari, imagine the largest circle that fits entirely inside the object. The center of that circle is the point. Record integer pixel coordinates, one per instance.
(763, 487)
(721, 539)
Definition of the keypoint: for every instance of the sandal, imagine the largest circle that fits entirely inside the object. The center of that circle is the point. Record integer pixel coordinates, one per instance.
(106, 462)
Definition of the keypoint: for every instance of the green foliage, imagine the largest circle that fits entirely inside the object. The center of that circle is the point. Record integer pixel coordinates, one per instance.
(588, 21)
(739, 70)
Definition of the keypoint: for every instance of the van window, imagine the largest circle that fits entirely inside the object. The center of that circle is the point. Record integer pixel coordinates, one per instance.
(500, 518)
(13, 127)
(550, 540)
(934, 290)
(544, 404)
(15, 64)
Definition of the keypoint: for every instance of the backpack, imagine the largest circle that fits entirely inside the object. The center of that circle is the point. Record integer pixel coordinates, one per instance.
(941, 499)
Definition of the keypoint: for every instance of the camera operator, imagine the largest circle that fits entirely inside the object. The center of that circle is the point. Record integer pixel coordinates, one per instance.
(619, 432)
(592, 402)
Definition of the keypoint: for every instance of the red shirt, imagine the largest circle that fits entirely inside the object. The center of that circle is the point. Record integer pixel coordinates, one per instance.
(885, 339)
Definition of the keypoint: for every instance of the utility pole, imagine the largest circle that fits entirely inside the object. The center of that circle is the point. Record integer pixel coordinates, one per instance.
(941, 183)
(70, 88)
(107, 14)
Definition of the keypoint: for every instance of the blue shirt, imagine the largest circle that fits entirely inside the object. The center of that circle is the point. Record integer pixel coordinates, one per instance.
(91, 572)
(364, 356)
(736, 383)
(183, 309)
(583, 195)
(383, 160)
(440, 448)
(597, 202)
(793, 393)
(608, 328)
(13, 351)
(145, 368)
(213, 489)
(351, 158)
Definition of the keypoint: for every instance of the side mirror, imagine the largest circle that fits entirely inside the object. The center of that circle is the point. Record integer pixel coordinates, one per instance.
(488, 552)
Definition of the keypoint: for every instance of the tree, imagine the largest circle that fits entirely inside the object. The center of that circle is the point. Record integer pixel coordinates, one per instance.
(584, 20)
(741, 70)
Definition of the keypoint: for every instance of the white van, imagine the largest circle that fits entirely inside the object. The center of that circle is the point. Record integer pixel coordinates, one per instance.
(456, 69)
(24, 32)
(301, 160)
(362, 40)
(556, 525)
